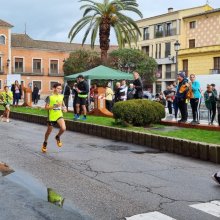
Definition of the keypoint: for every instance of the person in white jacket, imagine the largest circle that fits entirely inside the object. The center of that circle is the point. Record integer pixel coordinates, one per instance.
(123, 91)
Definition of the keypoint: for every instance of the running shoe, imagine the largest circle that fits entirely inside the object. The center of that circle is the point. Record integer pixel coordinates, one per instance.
(44, 147)
(84, 118)
(216, 178)
(7, 120)
(59, 143)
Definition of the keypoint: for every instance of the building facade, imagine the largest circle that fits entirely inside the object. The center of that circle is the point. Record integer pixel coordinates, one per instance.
(200, 53)
(159, 33)
(38, 62)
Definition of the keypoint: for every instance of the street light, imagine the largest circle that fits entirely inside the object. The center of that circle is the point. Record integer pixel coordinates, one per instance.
(176, 48)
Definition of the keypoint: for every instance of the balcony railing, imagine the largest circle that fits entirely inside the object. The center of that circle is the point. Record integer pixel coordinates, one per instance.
(165, 33)
(170, 75)
(56, 74)
(35, 72)
(214, 71)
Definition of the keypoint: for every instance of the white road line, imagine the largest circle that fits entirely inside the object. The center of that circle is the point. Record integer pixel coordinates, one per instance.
(150, 216)
(212, 208)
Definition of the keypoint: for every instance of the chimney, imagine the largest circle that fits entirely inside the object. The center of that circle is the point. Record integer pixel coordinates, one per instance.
(170, 10)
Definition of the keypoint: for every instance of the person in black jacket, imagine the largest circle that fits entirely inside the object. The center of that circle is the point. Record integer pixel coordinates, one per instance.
(138, 86)
(66, 94)
(181, 96)
(82, 91)
(35, 94)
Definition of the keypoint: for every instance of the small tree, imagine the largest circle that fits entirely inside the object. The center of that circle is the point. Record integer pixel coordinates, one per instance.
(80, 61)
(128, 60)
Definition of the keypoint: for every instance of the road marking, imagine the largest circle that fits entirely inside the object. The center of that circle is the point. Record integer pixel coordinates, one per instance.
(150, 216)
(212, 208)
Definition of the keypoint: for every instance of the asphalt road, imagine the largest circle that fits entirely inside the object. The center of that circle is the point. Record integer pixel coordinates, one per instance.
(100, 179)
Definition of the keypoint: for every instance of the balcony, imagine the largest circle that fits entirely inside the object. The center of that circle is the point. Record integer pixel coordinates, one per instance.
(56, 74)
(36, 72)
(214, 71)
(165, 33)
(146, 36)
(170, 75)
(158, 34)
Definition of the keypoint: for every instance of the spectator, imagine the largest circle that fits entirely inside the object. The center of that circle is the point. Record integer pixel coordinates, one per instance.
(92, 96)
(138, 86)
(117, 92)
(131, 91)
(147, 94)
(35, 94)
(218, 108)
(169, 95)
(6, 98)
(180, 97)
(123, 91)
(16, 90)
(109, 96)
(214, 89)
(195, 98)
(74, 96)
(159, 98)
(82, 90)
(210, 102)
(66, 93)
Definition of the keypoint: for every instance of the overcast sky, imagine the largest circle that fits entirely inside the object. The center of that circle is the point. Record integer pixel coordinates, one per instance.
(52, 19)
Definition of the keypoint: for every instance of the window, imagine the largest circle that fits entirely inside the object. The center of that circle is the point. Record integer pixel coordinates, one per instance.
(38, 83)
(192, 43)
(167, 49)
(54, 66)
(158, 87)
(0, 84)
(52, 84)
(168, 29)
(19, 65)
(2, 39)
(217, 63)
(192, 24)
(1, 68)
(146, 50)
(145, 34)
(185, 66)
(36, 65)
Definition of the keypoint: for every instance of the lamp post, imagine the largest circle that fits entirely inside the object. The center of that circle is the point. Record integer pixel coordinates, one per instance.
(176, 48)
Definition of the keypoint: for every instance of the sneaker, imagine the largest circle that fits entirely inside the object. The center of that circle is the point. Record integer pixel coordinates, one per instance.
(1, 118)
(193, 122)
(216, 178)
(7, 120)
(83, 118)
(59, 143)
(76, 117)
(44, 147)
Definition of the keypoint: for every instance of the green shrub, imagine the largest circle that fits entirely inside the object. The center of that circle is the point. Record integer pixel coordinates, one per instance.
(138, 112)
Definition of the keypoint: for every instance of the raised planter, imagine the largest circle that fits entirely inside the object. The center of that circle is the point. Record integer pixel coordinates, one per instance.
(202, 151)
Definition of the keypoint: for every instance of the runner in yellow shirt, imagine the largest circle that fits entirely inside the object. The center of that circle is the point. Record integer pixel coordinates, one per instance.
(55, 106)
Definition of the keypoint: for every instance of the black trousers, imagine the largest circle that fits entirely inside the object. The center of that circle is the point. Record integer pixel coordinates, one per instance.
(218, 116)
(66, 100)
(182, 105)
(108, 104)
(195, 105)
(212, 112)
(169, 106)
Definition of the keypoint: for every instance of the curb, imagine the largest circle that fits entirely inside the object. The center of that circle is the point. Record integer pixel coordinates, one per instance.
(198, 150)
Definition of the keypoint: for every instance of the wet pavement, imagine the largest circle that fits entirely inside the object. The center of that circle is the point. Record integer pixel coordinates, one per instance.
(99, 179)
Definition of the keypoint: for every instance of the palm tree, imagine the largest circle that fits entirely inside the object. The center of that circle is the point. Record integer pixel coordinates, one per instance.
(104, 16)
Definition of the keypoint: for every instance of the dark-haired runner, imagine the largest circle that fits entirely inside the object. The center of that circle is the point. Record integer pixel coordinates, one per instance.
(55, 106)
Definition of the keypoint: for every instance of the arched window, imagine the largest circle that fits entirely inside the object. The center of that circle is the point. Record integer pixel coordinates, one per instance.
(2, 39)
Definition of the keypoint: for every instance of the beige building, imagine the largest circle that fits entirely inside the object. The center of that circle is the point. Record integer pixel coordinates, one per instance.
(159, 33)
(200, 51)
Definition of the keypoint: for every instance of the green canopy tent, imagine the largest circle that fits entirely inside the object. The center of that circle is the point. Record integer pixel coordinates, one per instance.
(101, 72)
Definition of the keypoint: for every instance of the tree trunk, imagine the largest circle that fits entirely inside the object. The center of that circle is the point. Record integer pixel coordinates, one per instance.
(104, 33)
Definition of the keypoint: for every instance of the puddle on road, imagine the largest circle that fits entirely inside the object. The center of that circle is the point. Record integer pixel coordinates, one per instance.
(136, 149)
(39, 190)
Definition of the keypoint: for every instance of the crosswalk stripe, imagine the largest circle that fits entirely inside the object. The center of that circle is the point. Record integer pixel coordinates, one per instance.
(212, 208)
(150, 216)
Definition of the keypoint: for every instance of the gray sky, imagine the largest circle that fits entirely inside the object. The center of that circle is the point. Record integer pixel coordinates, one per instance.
(52, 19)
